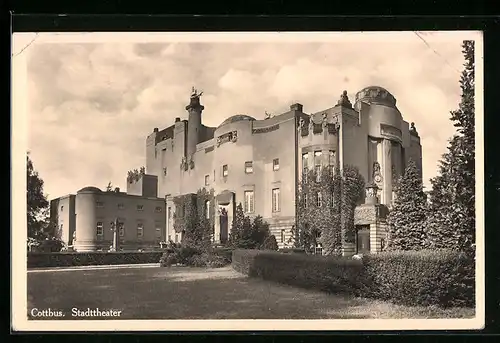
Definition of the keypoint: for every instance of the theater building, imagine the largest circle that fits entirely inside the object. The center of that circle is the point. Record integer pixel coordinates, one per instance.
(257, 163)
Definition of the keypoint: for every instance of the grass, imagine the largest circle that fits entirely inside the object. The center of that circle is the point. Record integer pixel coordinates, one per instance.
(197, 293)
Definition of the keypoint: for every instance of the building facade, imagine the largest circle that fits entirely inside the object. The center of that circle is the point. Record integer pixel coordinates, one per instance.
(86, 221)
(258, 163)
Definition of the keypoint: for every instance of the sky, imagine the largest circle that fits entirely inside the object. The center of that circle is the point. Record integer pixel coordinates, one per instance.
(91, 105)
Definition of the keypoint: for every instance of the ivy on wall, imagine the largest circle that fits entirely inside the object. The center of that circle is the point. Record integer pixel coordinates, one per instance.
(352, 194)
(325, 211)
(190, 218)
(318, 212)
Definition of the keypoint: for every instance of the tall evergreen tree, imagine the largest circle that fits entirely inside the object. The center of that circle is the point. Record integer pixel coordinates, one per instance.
(407, 218)
(37, 202)
(451, 222)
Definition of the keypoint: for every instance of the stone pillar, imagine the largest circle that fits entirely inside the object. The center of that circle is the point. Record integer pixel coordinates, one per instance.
(216, 238)
(348, 249)
(386, 168)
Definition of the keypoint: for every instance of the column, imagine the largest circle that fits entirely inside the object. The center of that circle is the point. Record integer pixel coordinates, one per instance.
(216, 238)
(386, 169)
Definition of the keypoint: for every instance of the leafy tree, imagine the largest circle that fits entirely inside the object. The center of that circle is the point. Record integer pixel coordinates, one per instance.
(451, 221)
(38, 204)
(408, 214)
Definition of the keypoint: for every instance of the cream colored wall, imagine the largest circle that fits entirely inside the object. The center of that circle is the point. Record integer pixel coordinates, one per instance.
(355, 143)
(88, 214)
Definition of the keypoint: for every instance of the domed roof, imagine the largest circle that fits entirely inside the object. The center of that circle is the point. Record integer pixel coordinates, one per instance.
(236, 118)
(90, 189)
(376, 94)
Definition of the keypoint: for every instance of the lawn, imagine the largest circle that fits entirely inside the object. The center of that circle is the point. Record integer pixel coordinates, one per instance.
(196, 293)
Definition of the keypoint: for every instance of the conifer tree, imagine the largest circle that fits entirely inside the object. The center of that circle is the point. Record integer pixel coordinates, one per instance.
(451, 222)
(407, 218)
(241, 230)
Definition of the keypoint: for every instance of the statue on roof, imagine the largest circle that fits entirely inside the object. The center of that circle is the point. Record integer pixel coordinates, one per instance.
(195, 94)
(344, 100)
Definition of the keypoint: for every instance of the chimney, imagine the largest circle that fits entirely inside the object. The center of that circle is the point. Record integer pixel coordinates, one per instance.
(117, 189)
(155, 129)
(296, 107)
(177, 119)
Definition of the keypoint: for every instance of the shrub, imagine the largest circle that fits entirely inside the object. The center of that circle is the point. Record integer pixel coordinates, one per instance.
(292, 250)
(421, 278)
(224, 253)
(68, 259)
(217, 261)
(330, 274)
(242, 260)
(270, 243)
(168, 259)
(195, 257)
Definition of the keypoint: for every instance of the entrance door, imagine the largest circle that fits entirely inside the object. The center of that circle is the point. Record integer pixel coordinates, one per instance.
(223, 226)
(363, 240)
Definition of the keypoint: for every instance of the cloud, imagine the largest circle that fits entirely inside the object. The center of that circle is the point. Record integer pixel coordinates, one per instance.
(91, 106)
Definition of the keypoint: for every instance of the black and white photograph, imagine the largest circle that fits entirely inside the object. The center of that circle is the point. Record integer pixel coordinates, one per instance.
(247, 181)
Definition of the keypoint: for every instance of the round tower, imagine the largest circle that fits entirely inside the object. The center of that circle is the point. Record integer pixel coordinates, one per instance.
(194, 122)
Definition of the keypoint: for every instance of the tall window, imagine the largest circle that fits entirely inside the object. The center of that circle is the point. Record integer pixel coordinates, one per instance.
(305, 162)
(169, 212)
(140, 230)
(121, 229)
(331, 162)
(225, 170)
(282, 236)
(276, 164)
(249, 167)
(158, 230)
(207, 209)
(249, 202)
(317, 165)
(99, 229)
(276, 200)
(319, 199)
(207, 180)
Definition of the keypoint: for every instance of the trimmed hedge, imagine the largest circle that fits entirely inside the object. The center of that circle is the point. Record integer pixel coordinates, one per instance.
(410, 278)
(307, 271)
(69, 259)
(425, 277)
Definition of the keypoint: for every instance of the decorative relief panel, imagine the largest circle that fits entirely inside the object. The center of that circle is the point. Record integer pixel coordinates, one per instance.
(366, 214)
(227, 137)
(266, 129)
(391, 132)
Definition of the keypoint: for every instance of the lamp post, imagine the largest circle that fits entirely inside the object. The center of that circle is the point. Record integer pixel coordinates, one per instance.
(115, 226)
